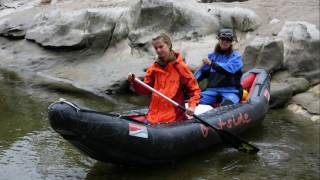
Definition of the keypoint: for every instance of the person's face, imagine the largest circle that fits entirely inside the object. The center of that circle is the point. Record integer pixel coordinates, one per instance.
(162, 49)
(225, 44)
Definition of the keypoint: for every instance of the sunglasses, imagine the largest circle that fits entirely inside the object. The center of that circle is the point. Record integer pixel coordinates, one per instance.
(226, 39)
(226, 34)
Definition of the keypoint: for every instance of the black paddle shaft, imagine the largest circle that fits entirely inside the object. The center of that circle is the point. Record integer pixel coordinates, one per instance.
(226, 136)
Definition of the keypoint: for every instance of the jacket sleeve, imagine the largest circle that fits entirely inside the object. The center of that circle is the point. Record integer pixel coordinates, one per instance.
(231, 65)
(148, 79)
(219, 69)
(202, 73)
(191, 84)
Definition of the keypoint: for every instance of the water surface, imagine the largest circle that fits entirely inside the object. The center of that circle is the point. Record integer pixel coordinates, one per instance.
(30, 149)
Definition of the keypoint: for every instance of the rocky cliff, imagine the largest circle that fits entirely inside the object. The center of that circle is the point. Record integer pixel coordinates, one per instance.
(90, 46)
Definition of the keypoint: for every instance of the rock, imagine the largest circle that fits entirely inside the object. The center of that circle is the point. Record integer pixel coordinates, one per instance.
(15, 25)
(210, 1)
(119, 87)
(237, 18)
(280, 95)
(297, 109)
(315, 90)
(186, 19)
(194, 52)
(302, 55)
(298, 85)
(14, 33)
(123, 31)
(264, 53)
(45, 1)
(274, 21)
(88, 25)
(75, 29)
(309, 100)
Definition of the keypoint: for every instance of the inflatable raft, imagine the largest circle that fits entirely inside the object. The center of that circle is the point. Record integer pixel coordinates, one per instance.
(124, 138)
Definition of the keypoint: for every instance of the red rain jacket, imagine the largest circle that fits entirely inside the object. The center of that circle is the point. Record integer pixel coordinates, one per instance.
(170, 81)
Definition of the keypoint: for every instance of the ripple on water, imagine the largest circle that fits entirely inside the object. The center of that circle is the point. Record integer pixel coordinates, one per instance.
(275, 154)
(42, 155)
(231, 165)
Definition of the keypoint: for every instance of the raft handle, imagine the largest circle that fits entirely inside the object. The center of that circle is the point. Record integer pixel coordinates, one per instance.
(62, 100)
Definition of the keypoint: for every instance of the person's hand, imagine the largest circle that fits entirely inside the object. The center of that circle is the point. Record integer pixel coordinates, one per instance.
(206, 61)
(190, 112)
(131, 77)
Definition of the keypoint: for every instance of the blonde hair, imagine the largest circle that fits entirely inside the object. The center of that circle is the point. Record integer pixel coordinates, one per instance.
(165, 38)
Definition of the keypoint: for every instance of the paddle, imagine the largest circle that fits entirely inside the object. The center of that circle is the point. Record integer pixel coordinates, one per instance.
(226, 136)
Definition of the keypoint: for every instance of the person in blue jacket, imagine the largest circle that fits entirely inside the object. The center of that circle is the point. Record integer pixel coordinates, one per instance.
(223, 68)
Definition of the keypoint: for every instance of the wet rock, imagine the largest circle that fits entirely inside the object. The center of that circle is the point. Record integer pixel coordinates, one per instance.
(280, 95)
(302, 55)
(309, 100)
(298, 85)
(315, 90)
(264, 53)
(298, 109)
(58, 84)
(10, 75)
(119, 87)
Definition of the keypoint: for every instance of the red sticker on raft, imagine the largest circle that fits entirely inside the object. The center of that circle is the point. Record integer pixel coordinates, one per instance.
(138, 130)
(204, 130)
(267, 94)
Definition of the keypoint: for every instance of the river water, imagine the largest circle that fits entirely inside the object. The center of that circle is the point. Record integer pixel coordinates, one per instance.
(30, 149)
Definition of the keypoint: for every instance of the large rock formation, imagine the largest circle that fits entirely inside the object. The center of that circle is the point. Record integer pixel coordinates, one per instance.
(302, 55)
(95, 44)
(310, 100)
(91, 45)
(264, 53)
(284, 86)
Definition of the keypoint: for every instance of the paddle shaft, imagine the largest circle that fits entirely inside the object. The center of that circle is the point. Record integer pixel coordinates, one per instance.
(226, 136)
(172, 101)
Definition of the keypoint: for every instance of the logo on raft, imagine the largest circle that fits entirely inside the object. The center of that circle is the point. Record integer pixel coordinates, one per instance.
(229, 123)
(241, 119)
(138, 131)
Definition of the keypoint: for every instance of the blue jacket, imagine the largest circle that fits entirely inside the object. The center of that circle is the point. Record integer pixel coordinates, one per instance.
(224, 71)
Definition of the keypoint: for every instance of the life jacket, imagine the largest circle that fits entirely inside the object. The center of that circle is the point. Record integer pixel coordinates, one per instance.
(227, 74)
(222, 79)
(169, 81)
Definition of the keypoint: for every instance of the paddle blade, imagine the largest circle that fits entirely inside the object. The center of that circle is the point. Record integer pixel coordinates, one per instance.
(237, 142)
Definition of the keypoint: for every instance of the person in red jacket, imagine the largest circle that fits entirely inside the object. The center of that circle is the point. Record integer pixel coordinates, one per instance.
(173, 78)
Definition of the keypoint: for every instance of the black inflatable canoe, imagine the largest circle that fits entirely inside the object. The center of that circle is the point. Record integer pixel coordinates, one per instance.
(122, 138)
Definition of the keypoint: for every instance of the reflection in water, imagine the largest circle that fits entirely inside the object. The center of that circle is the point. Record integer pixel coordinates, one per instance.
(30, 149)
(18, 115)
(41, 155)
